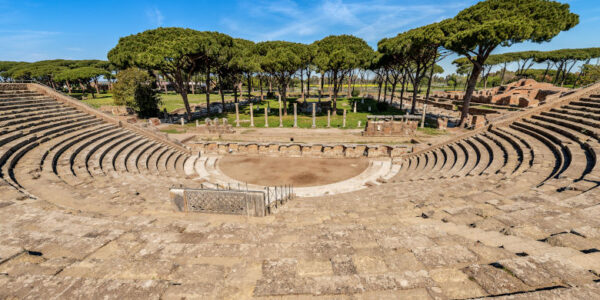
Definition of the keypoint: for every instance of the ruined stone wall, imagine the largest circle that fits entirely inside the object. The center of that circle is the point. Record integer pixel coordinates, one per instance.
(12, 86)
(299, 150)
(390, 128)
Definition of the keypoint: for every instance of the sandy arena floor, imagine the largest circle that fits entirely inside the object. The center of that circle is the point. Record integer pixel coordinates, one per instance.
(299, 171)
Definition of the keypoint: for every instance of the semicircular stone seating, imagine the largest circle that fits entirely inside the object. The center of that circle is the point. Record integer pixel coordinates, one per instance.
(42, 138)
(556, 150)
(510, 210)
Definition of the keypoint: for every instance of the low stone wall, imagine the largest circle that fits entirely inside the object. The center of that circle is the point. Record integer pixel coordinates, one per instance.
(299, 150)
(248, 203)
(12, 86)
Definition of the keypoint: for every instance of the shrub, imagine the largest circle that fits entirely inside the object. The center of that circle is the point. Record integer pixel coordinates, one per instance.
(127, 81)
(146, 101)
(134, 90)
(382, 106)
(355, 93)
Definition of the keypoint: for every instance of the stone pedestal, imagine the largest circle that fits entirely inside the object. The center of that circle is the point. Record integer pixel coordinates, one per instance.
(266, 117)
(314, 115)
(197, 123)
(182, 122)
(295, 114)
(251, 115)
(328, 118)
(237, 115)
(358, 126)
(344, 120)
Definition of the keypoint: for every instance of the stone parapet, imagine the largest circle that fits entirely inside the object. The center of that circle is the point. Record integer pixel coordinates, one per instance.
(299, 149)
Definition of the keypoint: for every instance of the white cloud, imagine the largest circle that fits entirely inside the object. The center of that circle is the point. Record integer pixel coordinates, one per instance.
(370, 20)
(155, 16)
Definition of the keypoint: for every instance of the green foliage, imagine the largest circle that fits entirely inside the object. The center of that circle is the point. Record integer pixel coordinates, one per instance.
(476, 31)
(491, 23)
(134, 90)
(127, 82)
(83, 74)
(146, 101)
(591, 74)
(281, 60)
(177, 53)
(341, 53)
(355, 93)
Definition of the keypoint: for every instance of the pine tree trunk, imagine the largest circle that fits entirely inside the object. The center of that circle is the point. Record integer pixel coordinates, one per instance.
(260, 82)
(249, 86)
(302, 84)
(307, 84)
(469, 93)
(207, 83)
(403, 89)
(335, 85)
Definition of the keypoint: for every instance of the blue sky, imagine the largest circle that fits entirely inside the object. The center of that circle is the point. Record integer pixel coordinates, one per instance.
(37, 30)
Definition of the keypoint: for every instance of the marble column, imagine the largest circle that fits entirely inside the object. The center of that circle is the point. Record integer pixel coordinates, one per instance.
(314, 115)
(251, 115)
(266, 117)
(295, 115)
(237, 115)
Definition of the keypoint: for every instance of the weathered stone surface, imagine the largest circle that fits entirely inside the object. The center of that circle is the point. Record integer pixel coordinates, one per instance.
(493, 280)
(444, 255)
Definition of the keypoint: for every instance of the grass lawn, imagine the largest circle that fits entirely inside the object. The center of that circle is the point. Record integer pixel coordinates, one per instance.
(170, 101)
(173, 101)
(305, 120)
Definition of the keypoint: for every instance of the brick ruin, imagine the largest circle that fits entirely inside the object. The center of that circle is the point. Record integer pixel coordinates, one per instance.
(522, 93)
(391, 126)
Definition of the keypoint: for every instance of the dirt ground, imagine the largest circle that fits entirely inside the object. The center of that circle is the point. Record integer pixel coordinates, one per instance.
(299, 171)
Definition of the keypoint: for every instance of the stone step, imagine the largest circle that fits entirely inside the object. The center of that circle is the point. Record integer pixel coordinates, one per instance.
(546, 155)
(127, 163)
(15, 150)
(81, 163)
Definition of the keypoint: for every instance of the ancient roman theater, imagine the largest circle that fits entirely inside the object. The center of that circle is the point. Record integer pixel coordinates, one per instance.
(284, 149)
(507, 209)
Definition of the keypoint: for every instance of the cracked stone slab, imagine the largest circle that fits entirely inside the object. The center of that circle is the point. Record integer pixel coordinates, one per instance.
(531, 272)
(493, 280)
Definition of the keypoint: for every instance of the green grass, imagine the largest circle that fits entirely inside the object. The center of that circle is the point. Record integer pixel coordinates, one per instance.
(170, 101)
(431, 131)
(305, 120)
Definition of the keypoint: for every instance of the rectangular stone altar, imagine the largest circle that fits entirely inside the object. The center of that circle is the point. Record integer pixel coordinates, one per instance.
(228, 201)
(251, 203)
